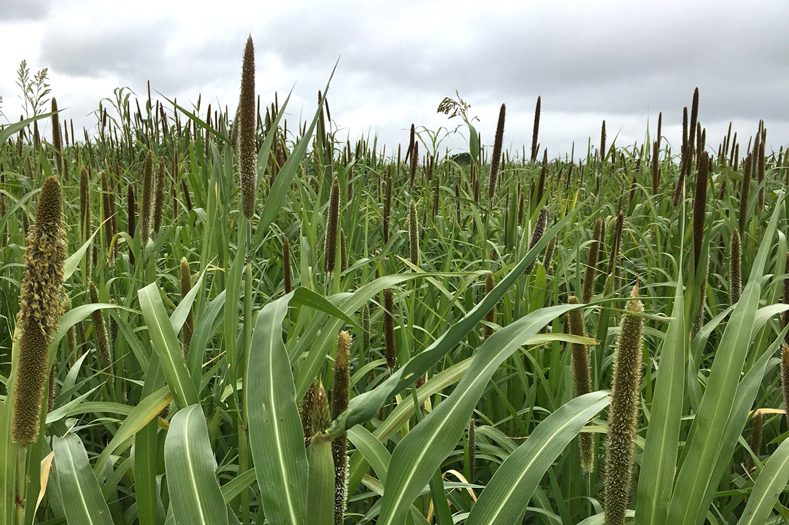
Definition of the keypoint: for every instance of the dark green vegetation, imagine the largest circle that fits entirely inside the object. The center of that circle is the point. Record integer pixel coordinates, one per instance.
(260, 322)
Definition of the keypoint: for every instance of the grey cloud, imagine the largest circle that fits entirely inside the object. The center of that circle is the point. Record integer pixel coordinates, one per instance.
(618, 58)
(139, 53)
(19, 10)
(100, 50)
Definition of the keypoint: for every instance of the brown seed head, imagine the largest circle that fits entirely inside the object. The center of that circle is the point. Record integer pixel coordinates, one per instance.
(247, 122)
(495, 159)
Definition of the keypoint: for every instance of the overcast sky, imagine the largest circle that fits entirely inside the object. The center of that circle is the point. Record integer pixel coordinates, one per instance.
(621, 61)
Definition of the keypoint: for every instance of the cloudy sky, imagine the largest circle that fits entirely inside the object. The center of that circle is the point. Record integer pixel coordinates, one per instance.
(621, 61)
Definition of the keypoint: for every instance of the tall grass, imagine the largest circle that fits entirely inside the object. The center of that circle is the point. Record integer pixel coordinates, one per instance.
(316, 330)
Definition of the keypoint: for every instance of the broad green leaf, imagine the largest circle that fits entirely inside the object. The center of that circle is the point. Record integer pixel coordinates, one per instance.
(704, 444)
(72, 263)
(659, 460)
(8, 449)
(237, 485)
(276, 436)
(165, 344)
(423, 449)
(505, 497)
(10, 129)
(320, 495)
(364, 406)
(82, 499)
(191, 471)
(144, 412)
(769, 486)
(146, 454)
(371, 449)
(747, 391)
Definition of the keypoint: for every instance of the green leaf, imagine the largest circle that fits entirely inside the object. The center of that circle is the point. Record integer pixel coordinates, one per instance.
(422, 450)
(771, 482)
(504, 499)
(659, 460)
(82, 499)
(366, 405)
(276, 436)
(371, 449)
(181, 312)
(321, 482)
(599, 519)
(747, 391)
(10, 129)
(704, 444)
(165, 344)
(306, 297)
(191, 471)
(72, 263)
(142, 413)
(8, 449)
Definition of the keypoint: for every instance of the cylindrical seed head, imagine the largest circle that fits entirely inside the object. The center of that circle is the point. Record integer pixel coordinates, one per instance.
(287, 274)
(413, 234)
(535, 130)
(186, 286)
(623, 414)
(582, 381)
(147, 200)
(735, 272)
(40, 303)
(158, 207)
(247, 122)
(340, 393)
(102, 340)
(495, 159)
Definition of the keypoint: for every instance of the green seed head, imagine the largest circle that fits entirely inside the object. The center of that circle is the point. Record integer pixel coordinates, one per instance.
(57, 142)
(40, 302)
(538, 232)
(623, 415)
(490, 283)
(591, 262)
(700, 206)
(306, 410)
